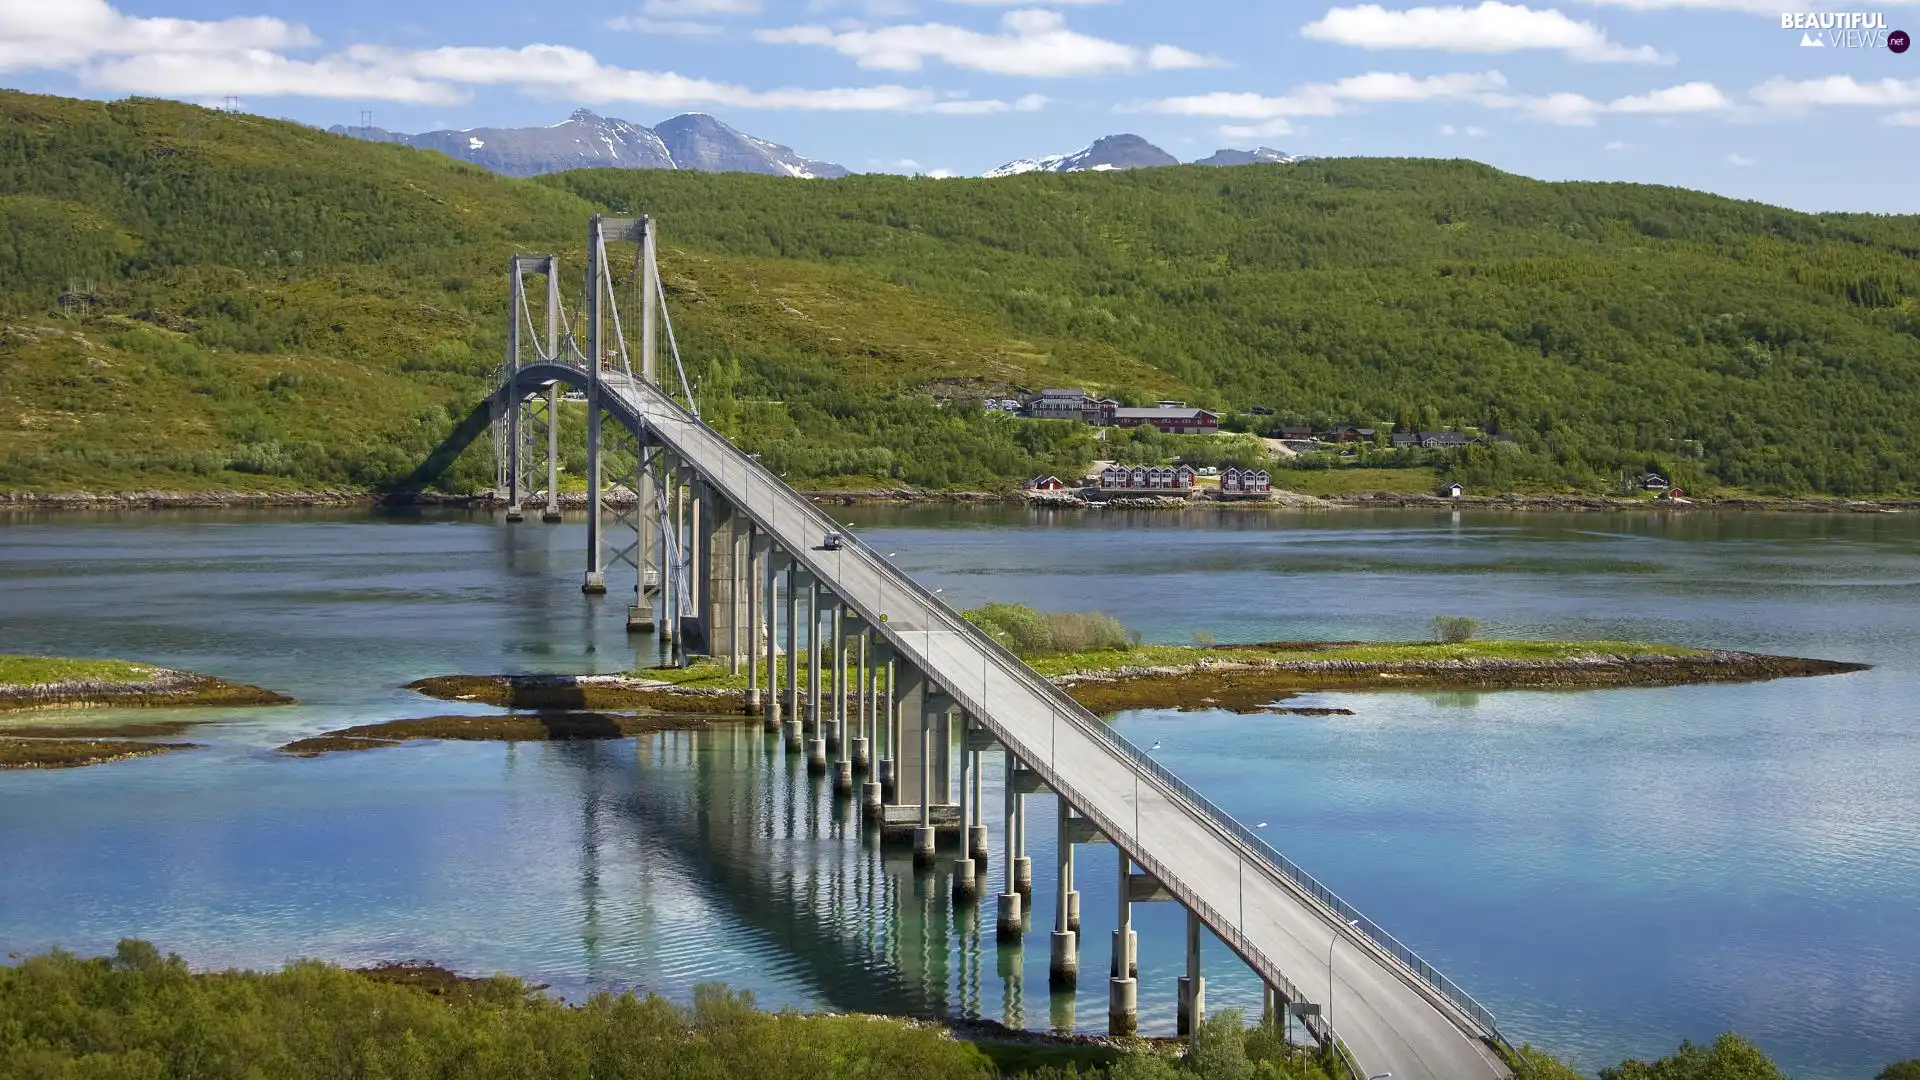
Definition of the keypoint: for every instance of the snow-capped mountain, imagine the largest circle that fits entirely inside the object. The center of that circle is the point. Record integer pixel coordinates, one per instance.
(1257, 156)
(587, 141)
(1134, 152)
(698, 141)
(1107, 154)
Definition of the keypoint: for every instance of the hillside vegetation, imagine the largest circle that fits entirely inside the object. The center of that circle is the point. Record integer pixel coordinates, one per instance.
(267, 306)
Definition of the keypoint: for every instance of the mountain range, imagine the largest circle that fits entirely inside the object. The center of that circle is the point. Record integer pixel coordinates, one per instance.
(587, 140)
(697, 141)
(1133, 152)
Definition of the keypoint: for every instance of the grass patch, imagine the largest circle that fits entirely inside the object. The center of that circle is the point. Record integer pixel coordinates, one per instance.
(1417, 481)
(24, 671)
(1355, 651)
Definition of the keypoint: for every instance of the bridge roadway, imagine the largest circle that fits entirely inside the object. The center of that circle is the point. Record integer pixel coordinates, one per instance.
(1388, 1017)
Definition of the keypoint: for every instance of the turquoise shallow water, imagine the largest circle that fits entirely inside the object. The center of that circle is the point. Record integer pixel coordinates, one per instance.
(1609, 871)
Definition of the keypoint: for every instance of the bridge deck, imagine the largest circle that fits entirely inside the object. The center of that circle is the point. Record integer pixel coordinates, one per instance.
(1388, 1016)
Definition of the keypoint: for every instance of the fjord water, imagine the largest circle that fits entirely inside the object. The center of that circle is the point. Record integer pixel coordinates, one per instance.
(1609, 871)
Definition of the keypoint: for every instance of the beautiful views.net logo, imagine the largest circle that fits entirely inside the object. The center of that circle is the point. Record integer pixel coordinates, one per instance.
(1845, 30)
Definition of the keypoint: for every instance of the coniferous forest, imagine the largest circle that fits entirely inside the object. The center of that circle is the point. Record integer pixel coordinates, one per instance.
(191, 299)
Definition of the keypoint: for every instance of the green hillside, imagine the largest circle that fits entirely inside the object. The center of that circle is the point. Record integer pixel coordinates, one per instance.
(268, 306)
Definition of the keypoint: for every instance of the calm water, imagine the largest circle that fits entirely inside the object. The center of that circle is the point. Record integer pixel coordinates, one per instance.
(1610, 872)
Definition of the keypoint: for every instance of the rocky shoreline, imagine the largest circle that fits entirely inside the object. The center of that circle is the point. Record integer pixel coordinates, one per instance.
(167, 688)
(1280, 501)
(1255, 685)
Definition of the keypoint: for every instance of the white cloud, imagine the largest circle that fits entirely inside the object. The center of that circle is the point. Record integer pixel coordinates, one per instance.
(261, 73)
(1580, 111)
(1905, 118)
(1492, 27)
(938, 174)
(641, 24)
(681, 9)
(1693, 97)
(197, 60)
(1739, 162)
(1031, 43)
(1448, 129)
(41, 34)
(1791, 97)
(1615, 145)
(1331, 99)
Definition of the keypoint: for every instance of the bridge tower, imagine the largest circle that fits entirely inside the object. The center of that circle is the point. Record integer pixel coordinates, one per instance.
(525, 428)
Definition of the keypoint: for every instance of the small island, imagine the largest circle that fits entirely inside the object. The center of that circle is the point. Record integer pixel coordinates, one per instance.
(547, 726)
(1106, 668)
(36, 733)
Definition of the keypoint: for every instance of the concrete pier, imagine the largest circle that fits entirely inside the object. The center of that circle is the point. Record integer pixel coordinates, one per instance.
(859, 753)
(1008, 923)
(843, 776)
(817, 755)
(1063, 964)
(1123, 1006)
(1192, 986)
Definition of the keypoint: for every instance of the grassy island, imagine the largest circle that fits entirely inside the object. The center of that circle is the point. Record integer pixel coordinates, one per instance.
(32, 682)
(36, 733)
(137, 1013)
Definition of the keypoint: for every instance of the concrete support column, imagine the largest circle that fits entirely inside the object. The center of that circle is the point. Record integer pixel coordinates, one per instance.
(795, 579)
(1269, 1005)
(669, 551)
(596, 579)
(964, 878)
(976, 833)
(1123, 988)
(550, 513)
(923, 836)
(1022, 865)
(1009, 922)
(771, 718)
(890, 720)
(515, 406)
(816, 737)
(836, 639)
(873, 793)
(1063, 972)
(640, 612)
(862, 752)
(1193, 986)
(749, 582)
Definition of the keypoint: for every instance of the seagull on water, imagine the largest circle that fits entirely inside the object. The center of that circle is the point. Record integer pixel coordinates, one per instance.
(1262, 825)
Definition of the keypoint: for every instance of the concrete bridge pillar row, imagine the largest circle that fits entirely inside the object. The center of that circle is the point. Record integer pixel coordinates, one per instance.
(1009, 923)
(1063, 969)
(550, 512)
(1192, 986)
(964, 878)
(1123, 986)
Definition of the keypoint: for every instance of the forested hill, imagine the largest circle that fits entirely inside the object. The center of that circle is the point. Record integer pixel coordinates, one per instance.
(255, 304)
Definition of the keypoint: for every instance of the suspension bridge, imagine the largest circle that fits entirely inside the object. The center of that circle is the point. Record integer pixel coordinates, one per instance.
(727, 561)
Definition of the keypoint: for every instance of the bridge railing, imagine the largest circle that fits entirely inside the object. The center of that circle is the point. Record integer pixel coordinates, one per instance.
(935, 613)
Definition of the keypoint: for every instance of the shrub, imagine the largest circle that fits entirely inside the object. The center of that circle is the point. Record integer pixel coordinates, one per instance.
(1454, 629)
(1203, 639)
(1901, 1070)
(1029, 633)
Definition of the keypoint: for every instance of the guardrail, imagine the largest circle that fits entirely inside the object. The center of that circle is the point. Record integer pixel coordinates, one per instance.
(1264, 856)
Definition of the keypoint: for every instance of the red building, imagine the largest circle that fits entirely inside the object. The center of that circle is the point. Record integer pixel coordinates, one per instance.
(1171, 421)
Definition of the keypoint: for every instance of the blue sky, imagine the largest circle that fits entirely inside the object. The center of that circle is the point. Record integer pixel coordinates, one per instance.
(1710, 94)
